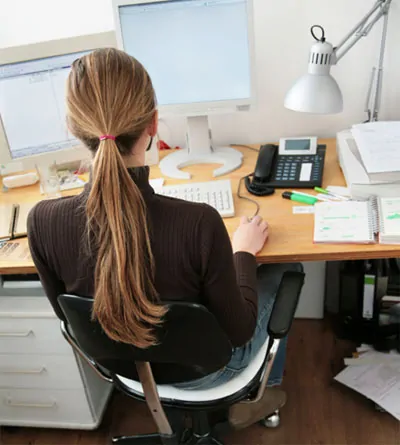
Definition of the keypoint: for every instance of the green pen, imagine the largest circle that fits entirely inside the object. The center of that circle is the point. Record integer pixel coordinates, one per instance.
(321, 190)
(327, 192)
(299, 198)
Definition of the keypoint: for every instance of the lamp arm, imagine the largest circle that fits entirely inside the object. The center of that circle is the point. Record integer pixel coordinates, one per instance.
(378, 94)
(362, 28)
(367, 108)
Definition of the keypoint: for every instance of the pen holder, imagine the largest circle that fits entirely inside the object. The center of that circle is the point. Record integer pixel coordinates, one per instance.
(49, 181)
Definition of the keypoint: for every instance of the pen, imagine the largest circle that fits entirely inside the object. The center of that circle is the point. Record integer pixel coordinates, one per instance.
(327, 192)
(300, 198)
(320, 198)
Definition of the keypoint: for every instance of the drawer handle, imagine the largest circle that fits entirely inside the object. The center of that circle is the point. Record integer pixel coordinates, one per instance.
(9, 402)
(23, 371)
(16, 334)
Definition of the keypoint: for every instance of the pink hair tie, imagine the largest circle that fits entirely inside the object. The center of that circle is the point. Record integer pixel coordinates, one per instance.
(107, 136)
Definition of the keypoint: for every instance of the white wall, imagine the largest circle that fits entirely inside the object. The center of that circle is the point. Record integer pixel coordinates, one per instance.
(29, 21)
(282, 45)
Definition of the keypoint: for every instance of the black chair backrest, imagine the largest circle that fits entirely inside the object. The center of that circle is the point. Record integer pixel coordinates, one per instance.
(191, 342)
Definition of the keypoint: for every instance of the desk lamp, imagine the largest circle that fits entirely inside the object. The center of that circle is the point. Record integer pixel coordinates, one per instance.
(317, 91)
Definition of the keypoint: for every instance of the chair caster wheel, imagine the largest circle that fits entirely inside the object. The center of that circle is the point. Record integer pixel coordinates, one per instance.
(272, 421)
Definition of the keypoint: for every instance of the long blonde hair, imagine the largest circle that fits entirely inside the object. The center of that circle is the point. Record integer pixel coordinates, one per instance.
(109, 92)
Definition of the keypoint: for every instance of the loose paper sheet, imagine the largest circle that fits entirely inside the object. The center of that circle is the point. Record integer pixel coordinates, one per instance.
(380, 383)
(379, 145)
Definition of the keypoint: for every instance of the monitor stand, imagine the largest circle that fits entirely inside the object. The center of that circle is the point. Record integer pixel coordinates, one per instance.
(200, 151)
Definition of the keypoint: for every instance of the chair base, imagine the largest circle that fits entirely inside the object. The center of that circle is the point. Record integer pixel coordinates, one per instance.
(272, 421)
(188, 438)
(206, 440)
(145, 439)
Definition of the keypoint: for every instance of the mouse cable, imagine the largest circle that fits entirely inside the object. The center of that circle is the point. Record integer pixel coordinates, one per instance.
(240, 196)
(246, 146)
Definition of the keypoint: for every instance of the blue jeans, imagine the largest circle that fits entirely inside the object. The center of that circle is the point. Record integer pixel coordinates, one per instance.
(269, 277)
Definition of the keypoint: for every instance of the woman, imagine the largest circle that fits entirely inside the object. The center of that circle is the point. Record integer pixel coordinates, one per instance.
(128, 247)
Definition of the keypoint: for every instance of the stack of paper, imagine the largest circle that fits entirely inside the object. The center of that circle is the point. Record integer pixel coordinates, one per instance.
(376, 376)
(379, 146)
(361, 183)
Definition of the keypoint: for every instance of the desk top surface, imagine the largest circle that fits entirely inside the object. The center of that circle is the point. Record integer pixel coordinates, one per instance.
(291, 235)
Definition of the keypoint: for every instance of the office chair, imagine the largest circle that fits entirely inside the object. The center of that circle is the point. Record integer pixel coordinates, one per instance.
(191, 345)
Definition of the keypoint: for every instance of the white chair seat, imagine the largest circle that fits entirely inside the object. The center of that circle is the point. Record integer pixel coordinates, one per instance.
(169, 392)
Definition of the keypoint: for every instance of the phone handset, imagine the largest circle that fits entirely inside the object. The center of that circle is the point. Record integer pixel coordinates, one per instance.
(263, 171)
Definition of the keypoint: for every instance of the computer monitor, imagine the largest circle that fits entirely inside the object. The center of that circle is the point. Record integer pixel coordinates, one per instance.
(33, 77)
(200, 56)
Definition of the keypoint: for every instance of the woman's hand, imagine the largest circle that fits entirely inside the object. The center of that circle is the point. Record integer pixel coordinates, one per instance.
(250, 236)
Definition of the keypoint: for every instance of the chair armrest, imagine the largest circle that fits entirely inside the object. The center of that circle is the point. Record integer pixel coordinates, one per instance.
(70, 339)
(285, 304)
(280, 322)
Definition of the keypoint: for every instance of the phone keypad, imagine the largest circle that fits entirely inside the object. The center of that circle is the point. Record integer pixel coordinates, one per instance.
(288, 168)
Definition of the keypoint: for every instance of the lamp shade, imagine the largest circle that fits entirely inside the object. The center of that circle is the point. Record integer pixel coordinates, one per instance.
(314, 93)
(317, 91)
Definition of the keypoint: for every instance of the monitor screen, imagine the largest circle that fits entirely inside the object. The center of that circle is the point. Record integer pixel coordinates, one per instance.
(194, 50)
(32, 105)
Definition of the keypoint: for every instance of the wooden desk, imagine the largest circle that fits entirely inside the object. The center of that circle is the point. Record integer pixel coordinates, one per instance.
(291, 236)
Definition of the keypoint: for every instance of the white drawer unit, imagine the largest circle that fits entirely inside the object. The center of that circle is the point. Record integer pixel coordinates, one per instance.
(39, 371)
(50, 408)
(42, 382)
(28, 325)
(32, 336)
(25, 307)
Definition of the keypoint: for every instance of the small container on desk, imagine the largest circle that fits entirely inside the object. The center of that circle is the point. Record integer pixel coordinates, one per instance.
(49, 181)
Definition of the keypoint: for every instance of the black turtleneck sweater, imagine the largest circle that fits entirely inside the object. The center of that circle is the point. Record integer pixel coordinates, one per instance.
(191, 247)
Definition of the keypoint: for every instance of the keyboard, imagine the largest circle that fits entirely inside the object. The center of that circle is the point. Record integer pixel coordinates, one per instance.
(217, 194)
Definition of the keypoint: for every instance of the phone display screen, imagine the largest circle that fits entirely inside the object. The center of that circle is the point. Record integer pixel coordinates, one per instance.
(297, 144)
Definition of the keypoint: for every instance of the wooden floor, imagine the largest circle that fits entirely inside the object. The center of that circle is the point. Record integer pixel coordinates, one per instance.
(319, 411)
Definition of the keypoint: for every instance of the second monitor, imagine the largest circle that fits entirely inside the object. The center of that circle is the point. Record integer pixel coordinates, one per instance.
(33, 128)
(200, 56)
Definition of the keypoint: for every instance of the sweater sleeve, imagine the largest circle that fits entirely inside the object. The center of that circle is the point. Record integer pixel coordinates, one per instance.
(52, 285)
(229, 281)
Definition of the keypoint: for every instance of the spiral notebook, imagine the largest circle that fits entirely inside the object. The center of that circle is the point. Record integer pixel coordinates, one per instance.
(389, 220)
(377, 219)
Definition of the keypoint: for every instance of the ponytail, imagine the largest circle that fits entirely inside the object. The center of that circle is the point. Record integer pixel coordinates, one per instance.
(110, 93)
(125, 297)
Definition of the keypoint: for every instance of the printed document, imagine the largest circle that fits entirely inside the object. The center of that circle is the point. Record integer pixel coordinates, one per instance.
(379, 145)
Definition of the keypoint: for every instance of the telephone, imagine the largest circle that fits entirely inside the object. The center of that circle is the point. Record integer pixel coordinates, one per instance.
(295, 163)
